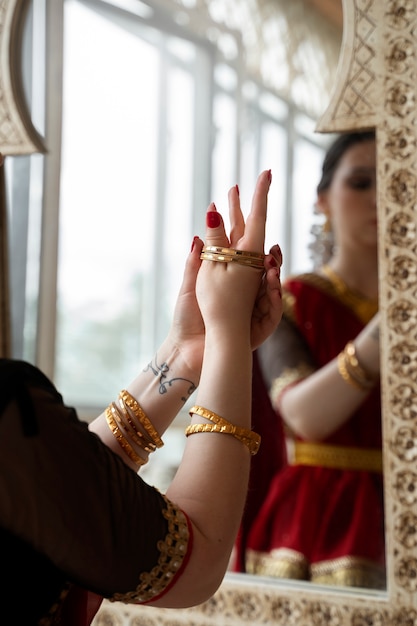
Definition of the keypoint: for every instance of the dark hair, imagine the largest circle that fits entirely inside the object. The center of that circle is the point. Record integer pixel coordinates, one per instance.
(336, 151)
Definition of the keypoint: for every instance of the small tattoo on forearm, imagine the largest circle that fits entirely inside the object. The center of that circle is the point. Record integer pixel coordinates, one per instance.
(161, 371)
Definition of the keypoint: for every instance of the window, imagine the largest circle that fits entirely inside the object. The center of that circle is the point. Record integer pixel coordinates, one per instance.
(157, 120)
(126, 194)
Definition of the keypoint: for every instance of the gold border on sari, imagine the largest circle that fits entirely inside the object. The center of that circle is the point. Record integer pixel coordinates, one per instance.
(347, 571)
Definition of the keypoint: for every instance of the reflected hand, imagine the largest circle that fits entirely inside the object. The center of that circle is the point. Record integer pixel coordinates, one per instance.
(267, 311)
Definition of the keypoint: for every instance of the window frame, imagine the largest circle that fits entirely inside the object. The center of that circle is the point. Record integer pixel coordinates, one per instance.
(47, 168)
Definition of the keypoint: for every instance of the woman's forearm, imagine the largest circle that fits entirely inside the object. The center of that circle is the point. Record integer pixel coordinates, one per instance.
(321, 403)
(161, 388)
(212, 481)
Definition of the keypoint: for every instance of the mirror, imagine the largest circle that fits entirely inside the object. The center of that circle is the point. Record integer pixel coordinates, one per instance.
(375, 88)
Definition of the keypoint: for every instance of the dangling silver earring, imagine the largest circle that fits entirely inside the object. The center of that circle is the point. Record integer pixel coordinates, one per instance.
(322, 247)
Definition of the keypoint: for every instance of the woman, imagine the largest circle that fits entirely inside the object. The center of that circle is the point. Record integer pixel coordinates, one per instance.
(321, 515)
(78, 523)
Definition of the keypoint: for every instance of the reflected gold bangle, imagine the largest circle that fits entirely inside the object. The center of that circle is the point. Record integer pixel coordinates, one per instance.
(351, 374)
(341, 366)
(356, 370)
(248, 437)
(122, 441)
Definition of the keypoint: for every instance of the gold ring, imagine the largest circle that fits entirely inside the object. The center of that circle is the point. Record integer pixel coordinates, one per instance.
(240, 260)
(228, 255)
(248, 261)
(220, 258)
(233, 252)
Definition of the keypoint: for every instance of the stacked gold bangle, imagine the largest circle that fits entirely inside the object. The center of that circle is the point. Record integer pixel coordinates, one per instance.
(132, 428)
(351, 370)
(249, 438)
(228, 255)
(140, 414)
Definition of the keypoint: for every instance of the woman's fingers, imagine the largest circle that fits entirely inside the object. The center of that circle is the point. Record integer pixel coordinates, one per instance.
(248, 237)
(215, 232)
(254, 236)
(259, 200)
(237, 222)
(192, 267)
(274, 258)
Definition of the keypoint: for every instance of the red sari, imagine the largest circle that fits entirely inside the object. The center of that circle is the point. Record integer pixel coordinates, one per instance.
(316, 522)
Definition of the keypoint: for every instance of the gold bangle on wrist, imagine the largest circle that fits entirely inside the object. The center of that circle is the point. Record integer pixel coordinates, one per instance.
(351, 371)
(132, 426)
(355, 368)
(132, 404)
(248, 437)
(122, 441)
(343, 371)
(231, 255)
(124, 420)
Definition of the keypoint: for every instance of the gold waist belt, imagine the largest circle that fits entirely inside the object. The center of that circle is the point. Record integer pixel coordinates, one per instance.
(337, 457)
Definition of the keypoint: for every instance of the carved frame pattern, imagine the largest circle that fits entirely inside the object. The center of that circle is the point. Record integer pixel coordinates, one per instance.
(376, 88)
(17, 133)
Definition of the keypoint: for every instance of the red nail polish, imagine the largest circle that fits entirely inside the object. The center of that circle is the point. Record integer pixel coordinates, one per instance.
(237, 189)
(272, 262)
(193, 243)
(213, 219)
(269, 175)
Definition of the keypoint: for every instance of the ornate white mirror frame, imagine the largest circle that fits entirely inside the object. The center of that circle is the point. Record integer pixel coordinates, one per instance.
(376, 88)
(17, 133)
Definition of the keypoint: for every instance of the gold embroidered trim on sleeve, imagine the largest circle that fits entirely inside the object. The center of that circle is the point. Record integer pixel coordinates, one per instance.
(172, 551)
(288, 305)
(288, 377)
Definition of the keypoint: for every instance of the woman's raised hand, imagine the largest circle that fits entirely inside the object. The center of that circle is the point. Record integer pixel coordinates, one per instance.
(246, 294)
(261, 289)
(187, 328)
(236, 304)
(267, 311)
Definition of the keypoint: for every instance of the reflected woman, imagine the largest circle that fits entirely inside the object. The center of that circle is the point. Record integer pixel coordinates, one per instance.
(321, 517)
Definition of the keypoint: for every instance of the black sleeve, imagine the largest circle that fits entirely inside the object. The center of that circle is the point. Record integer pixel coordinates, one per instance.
(68, 497)
(285, 355)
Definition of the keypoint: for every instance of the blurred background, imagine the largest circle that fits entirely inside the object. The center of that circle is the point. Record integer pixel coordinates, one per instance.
(151, 109)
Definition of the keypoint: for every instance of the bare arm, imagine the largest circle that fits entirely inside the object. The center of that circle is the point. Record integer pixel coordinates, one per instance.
(322, 402)
(211, 483)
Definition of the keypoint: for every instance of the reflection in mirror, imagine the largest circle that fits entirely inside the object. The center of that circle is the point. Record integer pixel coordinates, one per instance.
(315, 507)
(137, 154)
